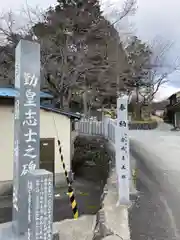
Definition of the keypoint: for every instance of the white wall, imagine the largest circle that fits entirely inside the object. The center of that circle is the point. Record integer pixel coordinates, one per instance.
(49, 122)
(57, 126)
(6, 143)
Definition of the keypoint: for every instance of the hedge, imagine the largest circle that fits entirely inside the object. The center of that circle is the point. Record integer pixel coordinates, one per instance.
(143, 125)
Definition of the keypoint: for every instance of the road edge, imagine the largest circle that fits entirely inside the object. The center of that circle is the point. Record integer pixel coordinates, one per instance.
(112, 219)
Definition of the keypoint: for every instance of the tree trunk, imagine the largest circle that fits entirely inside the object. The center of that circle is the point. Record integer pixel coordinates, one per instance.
(137, 106)
(67, 100)
(137, 111)
(85, 103)
(59, 101)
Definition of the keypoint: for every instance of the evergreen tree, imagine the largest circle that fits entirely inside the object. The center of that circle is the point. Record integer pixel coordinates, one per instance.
(78, 52)
(80, 37)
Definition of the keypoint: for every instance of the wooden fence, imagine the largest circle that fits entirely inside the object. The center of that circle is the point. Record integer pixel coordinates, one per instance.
(105, 128)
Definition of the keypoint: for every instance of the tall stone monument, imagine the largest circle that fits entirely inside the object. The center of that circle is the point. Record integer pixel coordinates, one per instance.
(32, 187)
(122, 150)
(26, 127)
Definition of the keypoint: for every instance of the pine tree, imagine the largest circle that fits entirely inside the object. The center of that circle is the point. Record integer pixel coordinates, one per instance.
(80, 43)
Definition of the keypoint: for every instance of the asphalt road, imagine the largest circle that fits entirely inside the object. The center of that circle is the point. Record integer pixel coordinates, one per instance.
(87, 196)
(149, 218)
(156, 213)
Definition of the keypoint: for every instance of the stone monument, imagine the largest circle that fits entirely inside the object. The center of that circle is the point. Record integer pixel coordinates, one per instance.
(32, 187)
(26, 126)
(40, 205)
(122, 150)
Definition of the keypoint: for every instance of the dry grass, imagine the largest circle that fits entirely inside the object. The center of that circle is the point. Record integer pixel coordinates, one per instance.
(156, 118)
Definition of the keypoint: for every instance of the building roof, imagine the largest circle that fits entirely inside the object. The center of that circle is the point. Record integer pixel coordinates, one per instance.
(12, 92)
(174, 107)
(58, 111)
(174, 94)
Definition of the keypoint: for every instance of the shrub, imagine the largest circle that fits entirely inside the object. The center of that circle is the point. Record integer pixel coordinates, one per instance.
(143, 125)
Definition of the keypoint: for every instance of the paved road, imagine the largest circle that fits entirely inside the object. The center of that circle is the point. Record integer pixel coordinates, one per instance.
(156, 215)
(87, 196)
(149, 217)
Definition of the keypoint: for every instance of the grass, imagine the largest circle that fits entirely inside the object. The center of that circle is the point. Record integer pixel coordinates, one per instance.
(143, 121)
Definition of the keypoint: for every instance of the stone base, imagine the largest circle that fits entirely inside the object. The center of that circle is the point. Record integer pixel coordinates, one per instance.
(176, 129)
(6, 233)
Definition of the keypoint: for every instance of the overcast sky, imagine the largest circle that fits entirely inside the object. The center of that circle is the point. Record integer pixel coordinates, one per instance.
(154, 17)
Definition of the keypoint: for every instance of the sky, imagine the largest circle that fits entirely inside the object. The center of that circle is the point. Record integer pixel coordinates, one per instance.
(154, 18)
(161, 18)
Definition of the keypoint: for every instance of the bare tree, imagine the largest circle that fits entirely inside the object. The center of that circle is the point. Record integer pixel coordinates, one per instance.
(150, 70)
(16, 25)
(119, 16)
(8, 39)
(13, 27)
(158, 68)
(64, 60)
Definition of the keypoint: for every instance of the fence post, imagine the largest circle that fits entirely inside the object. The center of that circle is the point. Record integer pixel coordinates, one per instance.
(105, 126)
(122, 150)
(90, 127)
(114, 132)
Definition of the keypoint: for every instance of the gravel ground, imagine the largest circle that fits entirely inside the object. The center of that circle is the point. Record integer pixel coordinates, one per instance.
(87, 196)
(88, 185)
